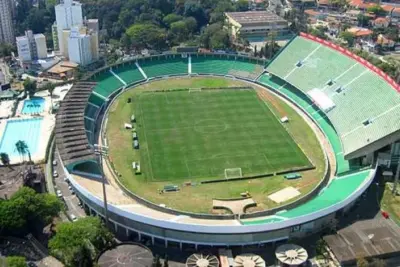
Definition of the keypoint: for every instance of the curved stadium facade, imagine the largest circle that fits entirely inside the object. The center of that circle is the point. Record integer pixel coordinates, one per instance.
(352, 103)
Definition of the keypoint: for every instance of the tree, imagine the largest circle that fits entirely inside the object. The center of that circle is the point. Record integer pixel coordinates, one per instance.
(348, 37)
(166, 261)
(23, 149)
(242, 5)
(27, 211)
(363, 20)
(171, 18)
(378, 263)
(16, 261)
(219, 40)
(5, 159)
(147, 36)
(376, 9)
(156, 262)
(361, 262)
(80, 241)
(30, 87)
(6, 49)
(49, 87)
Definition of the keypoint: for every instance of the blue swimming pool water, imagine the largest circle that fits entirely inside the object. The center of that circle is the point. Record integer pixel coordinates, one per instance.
(33, 105)
(27, 130)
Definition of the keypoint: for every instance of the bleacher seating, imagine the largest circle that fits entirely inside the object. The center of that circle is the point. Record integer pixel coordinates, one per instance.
(300, 99)
(160, 67)
(128, 72)
(107, 83)
(298, 50)
(96, 100)
(91, 111)
(221, 64)
(362, 94)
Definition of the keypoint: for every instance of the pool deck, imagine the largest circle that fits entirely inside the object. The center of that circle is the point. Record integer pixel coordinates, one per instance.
(47, 127)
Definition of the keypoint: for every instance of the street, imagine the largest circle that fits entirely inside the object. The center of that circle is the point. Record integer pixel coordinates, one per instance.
(71, 201)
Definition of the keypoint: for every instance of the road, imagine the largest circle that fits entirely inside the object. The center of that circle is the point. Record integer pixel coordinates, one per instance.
(70, 199)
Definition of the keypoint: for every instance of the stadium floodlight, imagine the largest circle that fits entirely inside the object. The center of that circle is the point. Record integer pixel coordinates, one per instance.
(102, 151)
(233, 173)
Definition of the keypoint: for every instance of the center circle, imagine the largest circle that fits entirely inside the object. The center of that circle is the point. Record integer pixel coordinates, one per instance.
(210, 126)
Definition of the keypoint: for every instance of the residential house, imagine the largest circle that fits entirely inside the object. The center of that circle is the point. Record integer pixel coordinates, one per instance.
(381, 22)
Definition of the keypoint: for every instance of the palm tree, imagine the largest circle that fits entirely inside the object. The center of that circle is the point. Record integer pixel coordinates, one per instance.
(5, 159)
(50, 88)
(23, 149)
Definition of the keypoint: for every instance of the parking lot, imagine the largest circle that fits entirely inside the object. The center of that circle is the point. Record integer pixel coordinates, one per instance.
(61, 186)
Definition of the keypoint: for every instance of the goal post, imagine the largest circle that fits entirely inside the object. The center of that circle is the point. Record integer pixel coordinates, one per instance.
(233, 173)
(194, 90)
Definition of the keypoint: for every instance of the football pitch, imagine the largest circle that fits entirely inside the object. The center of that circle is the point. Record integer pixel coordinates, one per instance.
(197, 135)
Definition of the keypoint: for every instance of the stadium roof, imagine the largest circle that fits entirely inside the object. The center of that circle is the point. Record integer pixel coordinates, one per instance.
(254, 17)
(71, 137)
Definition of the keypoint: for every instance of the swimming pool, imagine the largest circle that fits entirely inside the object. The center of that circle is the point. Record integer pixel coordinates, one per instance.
(28, 130)
(33, 105)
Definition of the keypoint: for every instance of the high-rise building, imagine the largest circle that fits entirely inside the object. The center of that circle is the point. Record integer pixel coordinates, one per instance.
(68, 15)
(79, 47)
(6, 22)
(31, 46)
(54, 33)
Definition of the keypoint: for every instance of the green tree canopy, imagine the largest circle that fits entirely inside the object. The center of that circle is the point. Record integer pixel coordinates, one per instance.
(16, 261)
(147, 36)
(30, 86)
(214, 37)
(5, 159)
(26, 210)
(348, 37)
(171, 18)
(376, 9)
(80, 241)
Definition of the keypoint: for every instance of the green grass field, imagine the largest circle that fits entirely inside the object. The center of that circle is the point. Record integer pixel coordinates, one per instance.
(199, 198)
(191, 135)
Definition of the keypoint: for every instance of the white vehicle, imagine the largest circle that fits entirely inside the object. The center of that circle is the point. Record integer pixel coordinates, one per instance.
(73, 218)
(54, 162)
(59, 194)
(55, 174)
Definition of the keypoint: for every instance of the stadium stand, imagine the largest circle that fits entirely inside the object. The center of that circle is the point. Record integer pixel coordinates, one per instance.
(162, 66)
(128, 72)
(227, 65)
(360, 121)
(337, 191)
(71, 138)
(96, 100)
(107, 83)
(301, 100)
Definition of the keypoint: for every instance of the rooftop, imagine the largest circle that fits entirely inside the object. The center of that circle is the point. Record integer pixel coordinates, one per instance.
(359, 32)
(254, 17)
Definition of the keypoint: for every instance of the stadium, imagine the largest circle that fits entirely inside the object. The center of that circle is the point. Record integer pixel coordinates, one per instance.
(187, 135)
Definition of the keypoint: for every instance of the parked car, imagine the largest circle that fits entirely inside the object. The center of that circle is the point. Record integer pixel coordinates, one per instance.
(55, 174)
(54, 162)
(59, 194)
(73, 218)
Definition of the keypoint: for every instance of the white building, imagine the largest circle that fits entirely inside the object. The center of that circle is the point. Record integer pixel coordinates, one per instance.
(6, 22)
(79, 47)
(31, 46)
(68, 15)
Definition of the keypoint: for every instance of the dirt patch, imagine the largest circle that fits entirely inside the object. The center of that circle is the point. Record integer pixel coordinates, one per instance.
(265, 96)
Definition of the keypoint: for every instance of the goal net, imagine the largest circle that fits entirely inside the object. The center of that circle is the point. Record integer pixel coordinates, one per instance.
(233, 173)
(194, 90)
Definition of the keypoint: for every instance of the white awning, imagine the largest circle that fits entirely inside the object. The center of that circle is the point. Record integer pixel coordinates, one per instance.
(321, 99)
